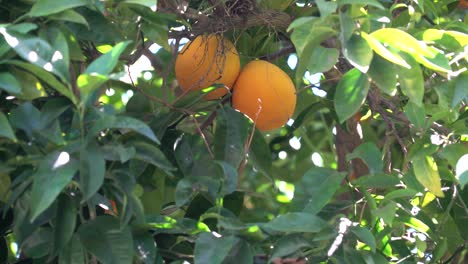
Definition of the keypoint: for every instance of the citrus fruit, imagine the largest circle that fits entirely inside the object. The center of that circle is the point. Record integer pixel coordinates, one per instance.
(265, 93)
(207, 60)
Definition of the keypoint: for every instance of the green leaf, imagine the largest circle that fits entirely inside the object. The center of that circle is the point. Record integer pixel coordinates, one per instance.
(38, 52)
(318, 186)
(144, 246)
(461, 89)
(401, 41)
(358, 52)
(70, 16)
(184, 192)
(147, 3)
(39, 243)
(46, 77)
(326, 8)
(379, 180)
(49, 181)
(461, 170)
(73, 252)
(436, 62)
(229, 138)
(47, 7)
(65, 221)
(288, 245)
(449, 39)
(106, 63)
(118, 152)
(370, 154)
(22, 27)
(5, 184)
(374, 3)
(31, 88)
(412, 81)
(322, 59)
(296, 222)
(9, 83)
(416, 114)
(380, 49)
(121, 122)
(260, 154)
(106, 239)
(89, 87)
(403, 193)
(350, 94)
(26, 117)
(306, 38)
(230, 178)
(365, 236)
(5, 128)
(425, 170)
(383, 74)
(213, 250)
(92, 170)
(387, 212)
(151, 154)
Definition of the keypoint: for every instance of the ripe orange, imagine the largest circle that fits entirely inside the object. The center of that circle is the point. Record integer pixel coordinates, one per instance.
(265, 93)
(207, 60)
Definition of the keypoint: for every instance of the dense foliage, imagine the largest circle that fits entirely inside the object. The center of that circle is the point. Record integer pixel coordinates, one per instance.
(104, 159)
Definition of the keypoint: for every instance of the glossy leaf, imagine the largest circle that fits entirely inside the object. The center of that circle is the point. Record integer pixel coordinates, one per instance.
(106, 63)
(52, 177)
(425, 170)
(401, 41)
(350, 94)
(384, 52)
(322, 59)
(358, 52)
(106, 239)
(449, 39)
(122, 122)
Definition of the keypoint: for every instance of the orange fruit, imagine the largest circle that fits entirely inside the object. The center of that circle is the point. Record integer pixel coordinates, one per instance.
(207, 60)
(265, 93)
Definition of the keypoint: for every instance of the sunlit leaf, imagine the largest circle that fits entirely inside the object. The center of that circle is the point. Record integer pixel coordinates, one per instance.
(425, 170)
(358, 52)
(402, 41)
(449, 39)
(365, 236)
(380, 49)
(350, 94)
(412, 81)
(107, 62)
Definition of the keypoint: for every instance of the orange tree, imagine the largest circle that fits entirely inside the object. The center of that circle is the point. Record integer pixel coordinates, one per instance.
(105, 159)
